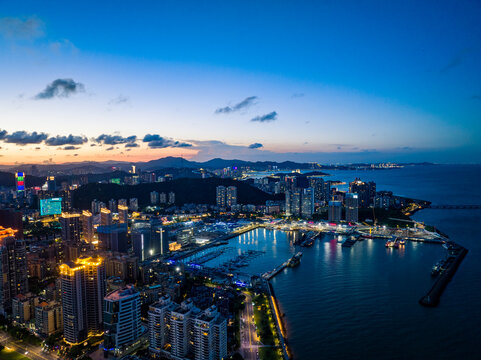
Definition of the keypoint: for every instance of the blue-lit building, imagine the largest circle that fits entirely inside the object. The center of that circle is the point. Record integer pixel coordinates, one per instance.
(122, 326)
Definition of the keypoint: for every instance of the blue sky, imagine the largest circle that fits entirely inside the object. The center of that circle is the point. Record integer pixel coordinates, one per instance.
(335, 81)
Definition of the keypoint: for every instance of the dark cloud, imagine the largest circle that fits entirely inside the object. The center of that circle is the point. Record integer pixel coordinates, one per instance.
(121, 99)
(24, 138)
(93, 144)
(66, 140)
(60, 88)
(71, 147)
(115, 139)
(456, 60)
(21, 28)
(131, 145)
(266, 118)
(3, 134)
(255, 146)
(156, 141)
(248, 101)
(110, 148)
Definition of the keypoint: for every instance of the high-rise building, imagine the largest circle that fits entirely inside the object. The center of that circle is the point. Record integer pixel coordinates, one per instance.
(335, 211)
(48, 318)
(124, 267)
(171, 197)
(13, 269)
(112, 205)
(83, 290)
(123, 214)
(231, 196)
(87, 226)
(70, 224)
(122, 327)
(20, 181)
(221, 196)
(133, 204)
(51, 183)
(180, 326)
(293, 202)
(307, 206)
(105, 217)
(183, 331)
(154, 197)
(352, 207)
(366, 192)
(210, 335)
(113, 237)
(159, 323)
(162, 198)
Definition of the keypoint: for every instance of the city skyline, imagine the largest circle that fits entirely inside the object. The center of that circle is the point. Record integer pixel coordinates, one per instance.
(377, 82)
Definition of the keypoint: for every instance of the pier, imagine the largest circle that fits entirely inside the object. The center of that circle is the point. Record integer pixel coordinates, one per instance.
(350, 242)
(270, 274)
(431, 299)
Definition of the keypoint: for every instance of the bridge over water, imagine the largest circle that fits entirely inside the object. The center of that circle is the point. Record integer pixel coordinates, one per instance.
(471, 207)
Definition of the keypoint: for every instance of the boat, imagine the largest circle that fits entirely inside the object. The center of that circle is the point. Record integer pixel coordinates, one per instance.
(389, 243)
(435, 270)
(295, 260)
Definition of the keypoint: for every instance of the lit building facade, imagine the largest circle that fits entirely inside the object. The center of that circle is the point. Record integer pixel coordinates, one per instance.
(352, 207)
(83, 290)
(13, 269)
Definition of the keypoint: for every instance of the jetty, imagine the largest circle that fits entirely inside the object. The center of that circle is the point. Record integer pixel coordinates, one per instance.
(456, 256)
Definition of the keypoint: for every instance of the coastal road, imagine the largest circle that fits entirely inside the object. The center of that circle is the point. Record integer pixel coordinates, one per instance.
(249, 344)
(30, 351)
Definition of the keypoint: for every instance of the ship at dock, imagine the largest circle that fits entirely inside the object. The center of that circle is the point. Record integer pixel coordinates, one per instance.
(295, 260)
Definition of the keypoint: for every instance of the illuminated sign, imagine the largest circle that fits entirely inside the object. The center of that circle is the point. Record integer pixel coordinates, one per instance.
(52, 206)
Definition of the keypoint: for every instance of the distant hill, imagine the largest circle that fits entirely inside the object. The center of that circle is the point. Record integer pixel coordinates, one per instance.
(199, 191)
(92, 167)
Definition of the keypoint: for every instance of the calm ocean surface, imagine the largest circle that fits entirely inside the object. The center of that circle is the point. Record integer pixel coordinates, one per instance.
(362, 302)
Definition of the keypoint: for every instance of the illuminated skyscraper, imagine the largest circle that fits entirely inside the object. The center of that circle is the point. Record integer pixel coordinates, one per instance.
(105, 217)
(307, 206)
(70, 224)
(83, 290)
(51, 183)
(335, 211)
(13, 269)
(87, 226)
(293, 202)
(221, 196)
(352, 207)
(123, 214)
(231, 196)
(366, 192)
(20, 181)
